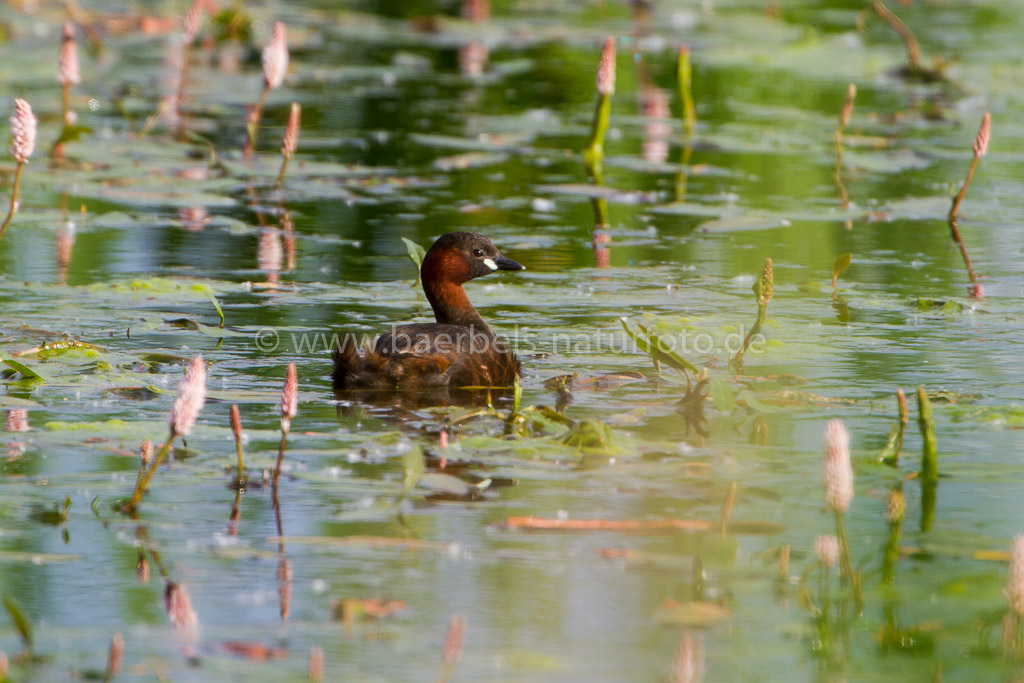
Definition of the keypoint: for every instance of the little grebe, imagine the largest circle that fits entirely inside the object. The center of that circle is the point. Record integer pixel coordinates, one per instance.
(459, 350)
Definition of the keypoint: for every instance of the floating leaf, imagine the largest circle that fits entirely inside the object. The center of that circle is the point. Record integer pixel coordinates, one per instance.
(412, 466)
(19, 367)
(690, 613)
(722, 395)
(841, 264)
(22, 624)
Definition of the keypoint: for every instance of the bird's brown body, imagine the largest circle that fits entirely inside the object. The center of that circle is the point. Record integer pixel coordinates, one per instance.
(459, 350)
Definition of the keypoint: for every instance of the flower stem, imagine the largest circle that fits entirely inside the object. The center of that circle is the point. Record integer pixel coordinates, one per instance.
(280, 175)
(280, 460)
(253, 123)
(593, 153)
(144, 479)
(181, 92)
(14, 200)
(847, 572)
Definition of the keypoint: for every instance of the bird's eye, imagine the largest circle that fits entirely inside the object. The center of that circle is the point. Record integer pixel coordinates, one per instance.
(478, 252)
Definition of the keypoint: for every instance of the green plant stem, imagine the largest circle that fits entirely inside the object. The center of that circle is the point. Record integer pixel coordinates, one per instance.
(280, 175)
(847, 572)
(143, 482)
(913, 48)
(181, 92)
(844, 196)
(891, 554)
(14, 199)
(929, 448)
(240, 473)
(683, 176)
(762, 310)
(593, 153)
(684, 72)
(953, 217)
(253, 123)
(280, 460)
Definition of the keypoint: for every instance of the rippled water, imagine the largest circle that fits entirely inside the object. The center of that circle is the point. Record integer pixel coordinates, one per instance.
(402, 138)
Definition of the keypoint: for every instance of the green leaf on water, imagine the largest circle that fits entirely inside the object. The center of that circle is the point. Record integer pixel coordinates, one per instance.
(722, 394)
(416, 253)
(72, 133)
(220, 313)
(413, 467)
(19, 367)
(656, 348)
(841, 264)
(19, 621)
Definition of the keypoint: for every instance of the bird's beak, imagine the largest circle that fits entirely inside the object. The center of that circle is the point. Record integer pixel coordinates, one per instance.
(508, 264)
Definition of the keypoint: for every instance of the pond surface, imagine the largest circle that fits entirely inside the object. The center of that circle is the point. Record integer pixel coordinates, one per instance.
(416, 122)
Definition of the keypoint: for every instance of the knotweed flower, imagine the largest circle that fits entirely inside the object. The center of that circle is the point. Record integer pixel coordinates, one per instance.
(316, 664)
(289, 398)
(454, 639)
(192, 18)
(847, 110)
(68, 70)
(688, 663)
(291, 132)
(190, 398)
(895, 506)
(838, 471)
(606, 70)
(981, 139)
(1015, 584)
(116, 655)
(275, 57)
(827, 550)
(23, 131)
(146, 452)
(179, 607)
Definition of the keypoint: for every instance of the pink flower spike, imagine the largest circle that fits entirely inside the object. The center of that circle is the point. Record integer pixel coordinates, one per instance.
(606, 70)
(179, 607)
(827, 550)
(454, 639)
(1015, 584)
(190, 398)
(289, 397)
(838, 470)
(68, 71)
(23, 130)
(291, 132)
(192, 18)
(981, 139)
(275, 57)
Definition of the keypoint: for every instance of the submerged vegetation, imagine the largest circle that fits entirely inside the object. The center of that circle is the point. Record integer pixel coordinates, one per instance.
(181, 259)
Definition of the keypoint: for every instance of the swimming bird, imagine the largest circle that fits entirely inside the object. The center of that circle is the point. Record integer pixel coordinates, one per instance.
(459, 350)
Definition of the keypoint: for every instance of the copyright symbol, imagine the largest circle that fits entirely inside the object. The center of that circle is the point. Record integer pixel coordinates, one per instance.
(266, 339)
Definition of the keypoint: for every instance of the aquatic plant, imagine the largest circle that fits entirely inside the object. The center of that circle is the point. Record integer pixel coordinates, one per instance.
(844, 119)
(979, 148)
(763, 289)
(895, 511)
(289, 409)
(190, 23)
(23, 135)
(897, 24)
(593, 153)
(451, 650)
(929, 472)
(890, 455)
(115, 657)
(68, 74)
(236, 432)
(684, 75)
(290, 141)
(838, 474)
(688, 662)
(275, 67)
(187, 404)
(316, 664)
